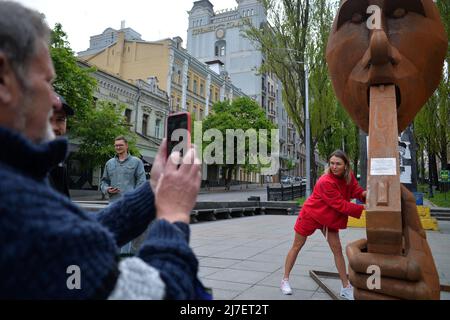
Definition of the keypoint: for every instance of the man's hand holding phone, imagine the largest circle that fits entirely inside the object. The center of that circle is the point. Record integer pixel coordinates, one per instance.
(177, 189)
(112, 190)
(178, 133)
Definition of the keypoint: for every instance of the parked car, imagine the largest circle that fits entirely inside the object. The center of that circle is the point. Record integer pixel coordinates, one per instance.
(286, 180)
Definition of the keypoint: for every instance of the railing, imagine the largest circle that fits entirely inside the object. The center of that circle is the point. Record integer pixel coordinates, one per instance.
(286, 193)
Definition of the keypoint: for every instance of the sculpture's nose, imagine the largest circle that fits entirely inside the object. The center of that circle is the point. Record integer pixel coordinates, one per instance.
(379, 48)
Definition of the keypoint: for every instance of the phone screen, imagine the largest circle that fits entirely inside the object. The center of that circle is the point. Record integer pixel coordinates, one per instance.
(175, 122)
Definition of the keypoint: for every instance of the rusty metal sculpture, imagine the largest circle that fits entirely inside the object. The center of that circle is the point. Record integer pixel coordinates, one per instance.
(383, 72)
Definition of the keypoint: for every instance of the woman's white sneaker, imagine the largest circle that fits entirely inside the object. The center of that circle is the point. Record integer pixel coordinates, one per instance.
(347, 293)
(285, 287)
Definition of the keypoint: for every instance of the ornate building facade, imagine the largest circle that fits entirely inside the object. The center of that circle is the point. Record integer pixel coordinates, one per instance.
(217, 36)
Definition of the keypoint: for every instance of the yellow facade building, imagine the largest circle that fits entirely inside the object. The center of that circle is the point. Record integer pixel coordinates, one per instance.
(190, 84)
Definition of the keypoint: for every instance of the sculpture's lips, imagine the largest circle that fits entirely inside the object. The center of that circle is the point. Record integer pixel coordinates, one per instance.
(398, 96)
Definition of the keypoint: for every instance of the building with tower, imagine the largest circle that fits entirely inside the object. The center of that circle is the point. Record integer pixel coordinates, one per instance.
(216, 36)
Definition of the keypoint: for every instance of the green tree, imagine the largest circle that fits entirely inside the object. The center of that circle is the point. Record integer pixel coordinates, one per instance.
(93, 128)
(97, 131)
(74, 83)
(244, 114)
(283, 45)
(297, 33)
(444, 90)
(432, 124)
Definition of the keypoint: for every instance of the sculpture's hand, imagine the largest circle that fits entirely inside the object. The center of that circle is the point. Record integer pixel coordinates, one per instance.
(412, 275)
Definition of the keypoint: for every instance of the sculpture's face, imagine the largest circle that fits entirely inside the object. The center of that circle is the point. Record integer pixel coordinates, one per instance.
(408, 51)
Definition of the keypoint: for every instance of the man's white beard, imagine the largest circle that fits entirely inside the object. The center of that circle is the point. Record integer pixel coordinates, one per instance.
(49, 134)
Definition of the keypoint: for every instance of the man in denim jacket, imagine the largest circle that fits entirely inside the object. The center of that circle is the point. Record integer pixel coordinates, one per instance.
(122, 174)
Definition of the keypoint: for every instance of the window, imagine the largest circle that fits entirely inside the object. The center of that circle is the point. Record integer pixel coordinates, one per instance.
(202, 89)
(128, 115)
(220, 48)
(189, 82)
(158, 128)
(144, 124)
(195, 86)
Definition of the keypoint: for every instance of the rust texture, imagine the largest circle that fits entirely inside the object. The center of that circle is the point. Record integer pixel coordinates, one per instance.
(384, 67)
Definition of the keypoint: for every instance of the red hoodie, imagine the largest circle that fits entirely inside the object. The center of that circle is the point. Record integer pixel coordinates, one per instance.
(330, 203)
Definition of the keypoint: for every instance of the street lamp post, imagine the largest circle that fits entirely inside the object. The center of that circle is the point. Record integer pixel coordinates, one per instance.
(308, 134)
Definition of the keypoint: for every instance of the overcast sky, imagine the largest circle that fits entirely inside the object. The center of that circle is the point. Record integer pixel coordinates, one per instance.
(153, 19)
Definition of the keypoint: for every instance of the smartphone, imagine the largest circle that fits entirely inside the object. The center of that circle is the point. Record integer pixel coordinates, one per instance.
(178, 138)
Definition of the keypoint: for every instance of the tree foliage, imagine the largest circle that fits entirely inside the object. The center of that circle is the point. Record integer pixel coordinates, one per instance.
(298, 32)
(98, 129)
(331, 127)
(72, 82)
(240, 114)
(432, 124)
(92, 127)
(283, 45)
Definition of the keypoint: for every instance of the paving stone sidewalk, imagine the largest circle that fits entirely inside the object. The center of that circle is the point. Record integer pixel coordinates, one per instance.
(243, 258)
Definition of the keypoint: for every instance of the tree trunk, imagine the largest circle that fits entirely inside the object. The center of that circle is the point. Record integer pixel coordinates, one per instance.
(430, 175)
(422, 165)
(413, 150)
(435, 180)
(313, 172)
(444, 160)
(355, 167)
(229, 177)
(363, 158)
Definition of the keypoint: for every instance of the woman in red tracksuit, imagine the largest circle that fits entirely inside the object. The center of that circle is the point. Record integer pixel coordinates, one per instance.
(328, 209)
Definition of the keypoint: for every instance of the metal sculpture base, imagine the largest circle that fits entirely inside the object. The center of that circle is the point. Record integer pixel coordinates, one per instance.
(315, 275)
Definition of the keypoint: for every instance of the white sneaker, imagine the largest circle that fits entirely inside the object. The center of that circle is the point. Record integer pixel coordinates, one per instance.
(347, 293)
(285, 287)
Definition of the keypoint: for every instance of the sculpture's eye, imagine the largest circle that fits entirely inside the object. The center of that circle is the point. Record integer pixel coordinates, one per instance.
(399, 13)
(397, 9)
(357, 17)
